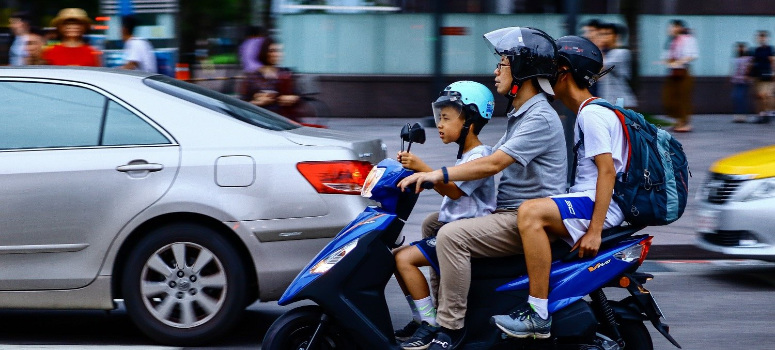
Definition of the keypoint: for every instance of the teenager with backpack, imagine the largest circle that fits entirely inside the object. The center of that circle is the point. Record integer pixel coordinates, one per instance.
(579, 216)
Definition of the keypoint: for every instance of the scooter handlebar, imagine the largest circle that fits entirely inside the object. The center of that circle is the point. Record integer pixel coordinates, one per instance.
(427, 185)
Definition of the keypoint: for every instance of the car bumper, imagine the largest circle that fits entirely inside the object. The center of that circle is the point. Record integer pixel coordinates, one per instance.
(741, 229)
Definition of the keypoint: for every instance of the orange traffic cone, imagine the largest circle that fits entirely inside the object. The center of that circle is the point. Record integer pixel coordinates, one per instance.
(182, 72)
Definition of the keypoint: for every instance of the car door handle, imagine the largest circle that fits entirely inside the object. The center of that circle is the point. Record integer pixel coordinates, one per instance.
(140, 167)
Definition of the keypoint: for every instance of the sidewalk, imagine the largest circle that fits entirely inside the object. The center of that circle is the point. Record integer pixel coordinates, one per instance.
(714, 137)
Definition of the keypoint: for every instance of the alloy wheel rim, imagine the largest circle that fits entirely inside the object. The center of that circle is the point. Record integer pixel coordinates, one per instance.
(183, 285)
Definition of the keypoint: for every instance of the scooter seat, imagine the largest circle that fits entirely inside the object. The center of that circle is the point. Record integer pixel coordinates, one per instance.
(510, 266)
(609, 237)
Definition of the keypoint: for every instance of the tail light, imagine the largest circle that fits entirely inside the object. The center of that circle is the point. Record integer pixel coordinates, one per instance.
(646, 244)
(337, 177)
(637, 252)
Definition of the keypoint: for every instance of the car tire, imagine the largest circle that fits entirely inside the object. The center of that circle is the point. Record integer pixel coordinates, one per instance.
(189, 305)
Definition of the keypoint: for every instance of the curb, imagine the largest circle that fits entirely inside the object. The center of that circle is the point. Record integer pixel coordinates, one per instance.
(682, 252)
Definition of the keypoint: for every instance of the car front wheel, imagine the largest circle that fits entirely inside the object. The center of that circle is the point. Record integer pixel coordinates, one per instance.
(184, 284)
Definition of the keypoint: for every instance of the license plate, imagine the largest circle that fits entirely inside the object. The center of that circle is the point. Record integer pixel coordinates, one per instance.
(707, 221)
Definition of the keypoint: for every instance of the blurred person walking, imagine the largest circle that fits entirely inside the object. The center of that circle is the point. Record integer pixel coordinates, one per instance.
(250, 49)
(33, 47)
(138, 52)
(761, 71)
(741, 82)
(20, 26)
(72, 24)
(677, 91)
(271, 86)
(616, 84)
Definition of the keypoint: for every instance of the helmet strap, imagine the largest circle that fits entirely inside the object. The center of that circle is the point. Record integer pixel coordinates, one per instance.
(515, 86)
(461, 140)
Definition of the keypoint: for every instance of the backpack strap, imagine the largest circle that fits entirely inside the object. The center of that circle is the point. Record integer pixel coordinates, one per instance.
(623, 121)
(578, 145)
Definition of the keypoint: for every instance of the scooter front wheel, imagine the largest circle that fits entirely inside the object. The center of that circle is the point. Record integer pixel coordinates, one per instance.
(296, 328)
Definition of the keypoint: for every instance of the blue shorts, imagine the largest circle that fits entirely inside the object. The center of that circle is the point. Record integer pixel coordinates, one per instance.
(576, 212)
(427, 247)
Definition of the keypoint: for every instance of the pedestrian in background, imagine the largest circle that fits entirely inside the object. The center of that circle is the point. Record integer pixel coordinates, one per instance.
(271, 86)
(761, 72)
(72, 24)
(616, 84)
(33, 47)
(138, 52)
(741, 82)
(677, 93)
(20, 26)
(249, 49)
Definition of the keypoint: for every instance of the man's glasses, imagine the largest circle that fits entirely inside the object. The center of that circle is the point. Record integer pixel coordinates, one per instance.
(499, 65)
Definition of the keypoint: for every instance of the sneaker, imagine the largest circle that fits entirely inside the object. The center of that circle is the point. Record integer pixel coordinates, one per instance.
(447, 339)
(408, 330)
(524, 323)
(421, 338)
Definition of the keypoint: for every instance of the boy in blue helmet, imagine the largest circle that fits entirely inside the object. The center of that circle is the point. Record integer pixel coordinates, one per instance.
(461, 111)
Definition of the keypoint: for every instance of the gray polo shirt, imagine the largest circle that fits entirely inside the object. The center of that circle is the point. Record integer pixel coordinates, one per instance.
(535, 139)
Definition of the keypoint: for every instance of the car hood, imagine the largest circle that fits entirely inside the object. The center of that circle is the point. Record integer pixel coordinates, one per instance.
(365, 148)
(758, 163)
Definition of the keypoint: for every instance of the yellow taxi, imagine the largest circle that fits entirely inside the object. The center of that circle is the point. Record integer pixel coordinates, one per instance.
(737, 205)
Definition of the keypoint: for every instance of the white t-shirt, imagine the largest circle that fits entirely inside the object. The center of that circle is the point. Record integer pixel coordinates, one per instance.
(140, 50)
(603, 133)
(480, 194)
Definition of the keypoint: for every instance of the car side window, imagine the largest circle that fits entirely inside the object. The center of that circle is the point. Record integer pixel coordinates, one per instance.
(122, 127)
(44, 115)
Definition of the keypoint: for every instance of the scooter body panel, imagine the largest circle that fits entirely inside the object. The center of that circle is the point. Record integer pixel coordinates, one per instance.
(571, 281)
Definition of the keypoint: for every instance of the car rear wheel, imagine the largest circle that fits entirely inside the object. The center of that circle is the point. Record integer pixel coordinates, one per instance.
(184, 284)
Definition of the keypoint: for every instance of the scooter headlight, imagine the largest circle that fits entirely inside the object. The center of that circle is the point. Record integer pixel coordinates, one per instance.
(371, 181)
(333, 258)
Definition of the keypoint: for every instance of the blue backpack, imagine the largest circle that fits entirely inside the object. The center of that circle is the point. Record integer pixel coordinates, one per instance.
(653, 188)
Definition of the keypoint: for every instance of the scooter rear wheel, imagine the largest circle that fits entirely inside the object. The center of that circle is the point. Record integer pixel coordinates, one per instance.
(295, 328)
(636, 336)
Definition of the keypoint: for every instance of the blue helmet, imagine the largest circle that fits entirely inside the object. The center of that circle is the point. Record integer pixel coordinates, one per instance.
(476, 99)
(473, 100)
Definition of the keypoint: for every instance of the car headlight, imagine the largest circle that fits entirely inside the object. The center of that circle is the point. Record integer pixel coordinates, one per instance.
(326, 264)
(764, 188)
(371, 180)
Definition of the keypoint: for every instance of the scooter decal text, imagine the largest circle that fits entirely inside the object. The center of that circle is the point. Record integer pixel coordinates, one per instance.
(598, 265)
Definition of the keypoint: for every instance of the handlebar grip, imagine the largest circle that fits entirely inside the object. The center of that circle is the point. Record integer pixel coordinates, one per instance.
(427, 185)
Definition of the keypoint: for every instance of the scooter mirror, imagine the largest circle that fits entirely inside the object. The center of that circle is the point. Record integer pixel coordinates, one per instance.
(413, 133)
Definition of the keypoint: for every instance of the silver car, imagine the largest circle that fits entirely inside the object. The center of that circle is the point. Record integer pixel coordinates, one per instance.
(187, 204)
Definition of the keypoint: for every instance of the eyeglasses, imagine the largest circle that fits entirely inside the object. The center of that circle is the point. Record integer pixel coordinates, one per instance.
(499, 65)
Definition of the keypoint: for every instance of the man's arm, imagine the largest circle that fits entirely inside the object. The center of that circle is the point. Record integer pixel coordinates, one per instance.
(473, 170)
(130, 65)
(606, 176)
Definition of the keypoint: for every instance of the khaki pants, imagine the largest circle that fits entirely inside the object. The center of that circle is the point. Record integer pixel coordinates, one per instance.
(764, 95)
(494, 235)
(430, 227)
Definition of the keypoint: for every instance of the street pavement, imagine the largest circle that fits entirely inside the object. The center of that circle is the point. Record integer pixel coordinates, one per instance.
(714, 137)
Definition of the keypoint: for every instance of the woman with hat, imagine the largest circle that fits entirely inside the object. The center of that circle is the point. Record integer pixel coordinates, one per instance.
(72, 24)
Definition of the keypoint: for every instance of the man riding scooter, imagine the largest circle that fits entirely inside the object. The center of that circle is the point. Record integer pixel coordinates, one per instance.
(531, 157)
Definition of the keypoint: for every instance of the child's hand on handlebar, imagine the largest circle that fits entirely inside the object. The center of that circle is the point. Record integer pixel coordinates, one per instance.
(412, 162)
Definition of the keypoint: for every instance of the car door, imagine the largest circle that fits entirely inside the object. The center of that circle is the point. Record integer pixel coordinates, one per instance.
(76, 165)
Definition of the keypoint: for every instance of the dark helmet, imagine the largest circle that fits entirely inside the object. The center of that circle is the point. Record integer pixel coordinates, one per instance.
(531, 53)
(583, 57)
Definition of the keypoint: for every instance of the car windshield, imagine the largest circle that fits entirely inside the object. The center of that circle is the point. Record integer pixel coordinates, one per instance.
(220, 103)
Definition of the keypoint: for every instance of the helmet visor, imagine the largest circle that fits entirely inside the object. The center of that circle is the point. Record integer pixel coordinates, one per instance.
(505, 41)
(447, 105)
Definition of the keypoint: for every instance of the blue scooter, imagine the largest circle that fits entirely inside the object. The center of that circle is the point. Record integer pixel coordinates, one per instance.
(347, 281)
